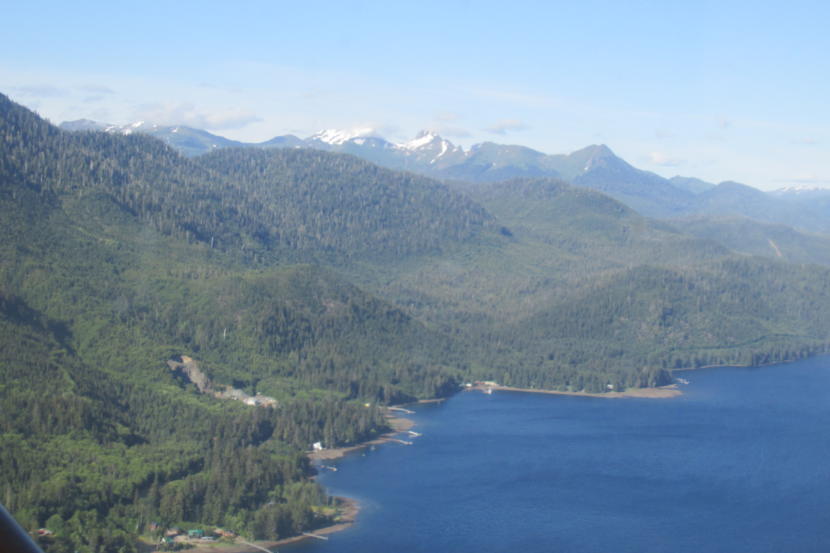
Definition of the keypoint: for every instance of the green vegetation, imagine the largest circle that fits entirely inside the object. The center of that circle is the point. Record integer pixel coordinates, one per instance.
(98, 288)
(329, 284)
(775, 241)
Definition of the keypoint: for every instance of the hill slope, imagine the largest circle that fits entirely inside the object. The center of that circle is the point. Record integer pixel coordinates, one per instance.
(112, 266)
(757, 238)
(326, 283)
(594, 166)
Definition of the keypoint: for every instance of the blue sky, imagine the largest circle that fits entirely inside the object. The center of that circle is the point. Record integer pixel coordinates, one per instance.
(718, 90)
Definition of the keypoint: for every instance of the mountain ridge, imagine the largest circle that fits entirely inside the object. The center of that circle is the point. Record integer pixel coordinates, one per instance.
(332, 285)
(594, 166)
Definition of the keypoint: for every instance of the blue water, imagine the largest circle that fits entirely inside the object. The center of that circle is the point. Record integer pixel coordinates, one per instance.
(739, 463)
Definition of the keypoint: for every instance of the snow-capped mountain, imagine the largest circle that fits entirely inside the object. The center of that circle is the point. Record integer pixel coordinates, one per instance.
(83, 125)
(422, 153)
(801, 190)
(429, 154)
(338, 137)
(594, 166)
(138, 126)
(187, 140)
(430, 149)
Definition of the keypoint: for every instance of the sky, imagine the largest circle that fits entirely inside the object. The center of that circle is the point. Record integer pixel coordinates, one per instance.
(716, 90)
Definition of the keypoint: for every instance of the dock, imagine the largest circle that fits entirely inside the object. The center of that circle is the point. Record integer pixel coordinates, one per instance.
(401, 410)
(255, 546)
(318, 536)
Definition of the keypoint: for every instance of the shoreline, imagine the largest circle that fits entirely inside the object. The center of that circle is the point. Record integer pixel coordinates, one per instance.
(349, 510)
(662, 392)
(349, 507)
(397, 423)
(749, 366)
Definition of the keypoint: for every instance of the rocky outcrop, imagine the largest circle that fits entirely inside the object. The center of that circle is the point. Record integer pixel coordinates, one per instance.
(189, 368)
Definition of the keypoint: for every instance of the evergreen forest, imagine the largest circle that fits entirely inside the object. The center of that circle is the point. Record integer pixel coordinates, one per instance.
(334, 287)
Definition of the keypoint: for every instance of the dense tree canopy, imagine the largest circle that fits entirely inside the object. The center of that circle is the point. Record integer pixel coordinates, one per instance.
(331, 285)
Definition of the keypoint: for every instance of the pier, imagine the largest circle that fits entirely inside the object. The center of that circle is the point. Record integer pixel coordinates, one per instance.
(255, 546)
(319, 537)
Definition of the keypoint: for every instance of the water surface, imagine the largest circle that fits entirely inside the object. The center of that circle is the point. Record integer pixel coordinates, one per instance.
(739, 463)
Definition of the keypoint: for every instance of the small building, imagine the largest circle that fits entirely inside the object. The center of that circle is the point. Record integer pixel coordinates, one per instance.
(196, 533)
(317, 446)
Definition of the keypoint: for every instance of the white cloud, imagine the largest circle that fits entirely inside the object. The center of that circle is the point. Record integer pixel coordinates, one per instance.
(529, 99)
(807, 141)
(187, 114)
(663, 160)
(39, 91)
(808, 178)
(507, 125)
(447, 116)
(97, 89)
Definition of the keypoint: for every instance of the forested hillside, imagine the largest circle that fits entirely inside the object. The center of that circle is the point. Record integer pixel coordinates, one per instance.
(105, 276)
(586, 292)
(758, 238)
(334, 287)
(328, 203)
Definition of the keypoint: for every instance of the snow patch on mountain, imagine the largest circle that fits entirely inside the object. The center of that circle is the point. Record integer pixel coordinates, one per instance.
(800, 189)
(337, 137)
(422, 139)
(429, 147)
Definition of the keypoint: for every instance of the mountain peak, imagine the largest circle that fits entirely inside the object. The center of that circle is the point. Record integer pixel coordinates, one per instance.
(337, 137)
(591, 157)
(83, 125)
(732, 185)
(595, 152)
(429, 147)
(421, 139)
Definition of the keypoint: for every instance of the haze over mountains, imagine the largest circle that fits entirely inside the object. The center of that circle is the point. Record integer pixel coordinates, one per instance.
(513, 236)
(330, 282)
(594, 167)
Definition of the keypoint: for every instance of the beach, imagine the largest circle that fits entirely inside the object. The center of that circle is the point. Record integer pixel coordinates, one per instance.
(347, 507)
(663, 392)
(398, 425)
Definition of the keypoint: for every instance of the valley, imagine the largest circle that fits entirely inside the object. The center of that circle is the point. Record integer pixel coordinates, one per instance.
(334, 284)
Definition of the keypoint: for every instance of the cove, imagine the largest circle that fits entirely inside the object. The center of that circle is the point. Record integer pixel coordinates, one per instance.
(738, 463)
